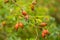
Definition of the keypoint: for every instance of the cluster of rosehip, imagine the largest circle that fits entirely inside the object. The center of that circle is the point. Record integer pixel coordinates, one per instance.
(21, 25)
(24, 13)
(45, 32)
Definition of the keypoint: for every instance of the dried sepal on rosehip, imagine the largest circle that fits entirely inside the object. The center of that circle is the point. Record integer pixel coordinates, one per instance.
(32, 7)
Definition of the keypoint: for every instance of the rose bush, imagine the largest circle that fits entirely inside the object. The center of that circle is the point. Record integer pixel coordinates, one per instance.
(29, 20)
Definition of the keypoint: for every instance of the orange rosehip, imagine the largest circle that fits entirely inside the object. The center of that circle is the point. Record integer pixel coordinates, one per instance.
(24, 13)
(43, 35)
(21, 25)
(43, 24)
(45, 32)
(16, 26)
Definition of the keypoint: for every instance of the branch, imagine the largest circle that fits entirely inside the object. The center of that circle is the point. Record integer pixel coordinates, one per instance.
(16, 4)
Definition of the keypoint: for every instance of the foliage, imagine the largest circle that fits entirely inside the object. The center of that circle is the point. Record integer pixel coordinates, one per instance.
(31, 26)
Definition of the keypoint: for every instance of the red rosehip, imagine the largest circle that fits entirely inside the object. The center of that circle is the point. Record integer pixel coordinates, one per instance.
(24, 13)
(43, 24)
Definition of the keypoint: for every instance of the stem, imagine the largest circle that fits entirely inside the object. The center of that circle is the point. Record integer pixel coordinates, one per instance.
(16, 4)
(36, 28)
(28, 20)
(36, 23)
(37, 34)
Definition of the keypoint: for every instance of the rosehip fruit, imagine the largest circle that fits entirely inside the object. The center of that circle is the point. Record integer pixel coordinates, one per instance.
(43, 24)
(21, 25)
(45, 32)
(16, 26)
(24, 13)
(43, 35)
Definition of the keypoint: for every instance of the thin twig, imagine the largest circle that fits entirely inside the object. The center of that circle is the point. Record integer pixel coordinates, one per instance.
(37, 34)
(16, 4)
